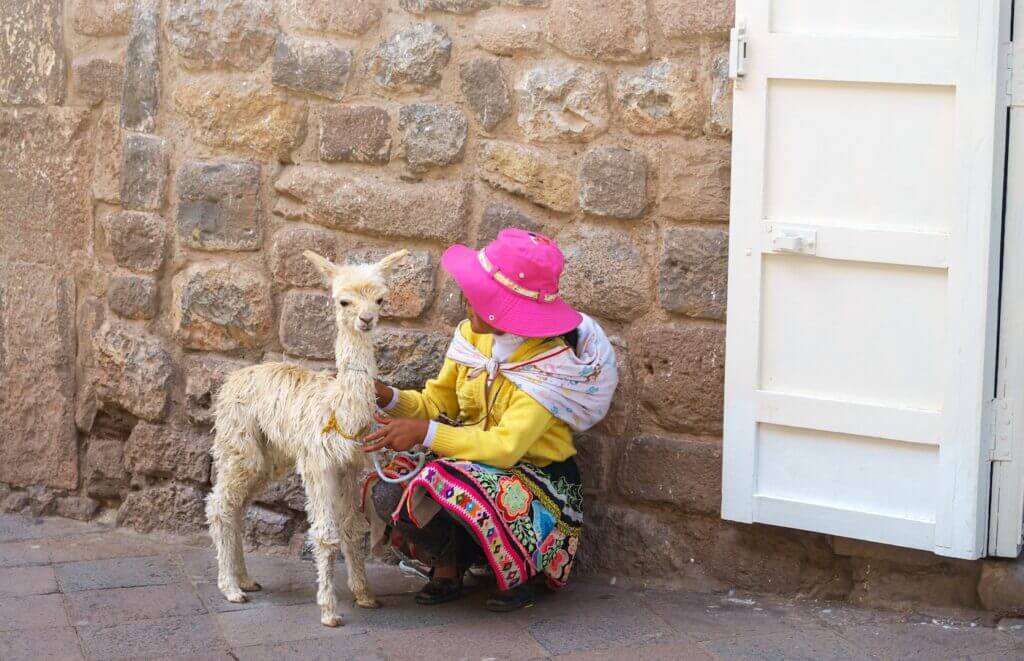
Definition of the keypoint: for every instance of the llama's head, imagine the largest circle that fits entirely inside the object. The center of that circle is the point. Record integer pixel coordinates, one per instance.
(357, 289)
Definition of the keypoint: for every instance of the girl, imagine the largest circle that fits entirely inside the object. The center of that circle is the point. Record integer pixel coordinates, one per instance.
(501, 484)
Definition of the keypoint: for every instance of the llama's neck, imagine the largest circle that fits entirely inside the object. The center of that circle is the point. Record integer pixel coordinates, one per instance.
(354, 354)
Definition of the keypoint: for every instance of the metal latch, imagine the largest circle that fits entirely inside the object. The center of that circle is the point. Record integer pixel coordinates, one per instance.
(792, 239)
(1002, 430)
(738, 50)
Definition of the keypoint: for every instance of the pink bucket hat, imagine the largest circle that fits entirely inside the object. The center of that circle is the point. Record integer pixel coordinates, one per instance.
(513, 283)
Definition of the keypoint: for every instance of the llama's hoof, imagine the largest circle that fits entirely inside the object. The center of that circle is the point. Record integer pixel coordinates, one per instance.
(331, 620)
(236, 597)
(250, 585)
(367, 602)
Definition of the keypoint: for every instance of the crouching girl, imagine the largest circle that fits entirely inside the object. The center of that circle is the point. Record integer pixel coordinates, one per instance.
(500, 484)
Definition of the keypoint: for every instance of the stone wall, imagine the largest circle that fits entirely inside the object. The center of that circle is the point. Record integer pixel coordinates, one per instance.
(167, 161)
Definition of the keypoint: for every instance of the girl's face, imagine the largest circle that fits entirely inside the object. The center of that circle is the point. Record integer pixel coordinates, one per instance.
(477, 323)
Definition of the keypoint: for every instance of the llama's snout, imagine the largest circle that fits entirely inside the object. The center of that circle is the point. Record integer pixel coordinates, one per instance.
(366, 322)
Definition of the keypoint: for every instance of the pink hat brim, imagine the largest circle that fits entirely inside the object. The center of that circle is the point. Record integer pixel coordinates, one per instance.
(500, 306)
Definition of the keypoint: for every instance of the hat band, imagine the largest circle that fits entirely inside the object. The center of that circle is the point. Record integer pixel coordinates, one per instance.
(507, 282)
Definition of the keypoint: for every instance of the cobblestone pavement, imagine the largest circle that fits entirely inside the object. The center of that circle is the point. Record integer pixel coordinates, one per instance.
(71, 590)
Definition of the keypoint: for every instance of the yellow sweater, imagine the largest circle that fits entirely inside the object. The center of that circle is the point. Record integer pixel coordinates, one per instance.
(517, 429)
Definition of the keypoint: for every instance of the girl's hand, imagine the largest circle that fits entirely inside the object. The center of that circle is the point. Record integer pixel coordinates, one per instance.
(383, 393)
(398, 434)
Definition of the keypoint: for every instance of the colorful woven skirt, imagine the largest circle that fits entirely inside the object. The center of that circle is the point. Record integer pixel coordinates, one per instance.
(526, 519)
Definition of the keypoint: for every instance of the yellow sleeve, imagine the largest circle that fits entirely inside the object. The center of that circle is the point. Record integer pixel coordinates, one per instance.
(438, 396)
(502, 446)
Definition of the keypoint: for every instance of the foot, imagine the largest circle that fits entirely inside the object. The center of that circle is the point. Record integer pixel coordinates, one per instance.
(330, 620)
(249, 585)
(234, 595)
(439, 590)
(510, 600)
(367, 601)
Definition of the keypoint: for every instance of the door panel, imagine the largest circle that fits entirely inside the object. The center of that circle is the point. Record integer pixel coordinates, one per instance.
(860, 343)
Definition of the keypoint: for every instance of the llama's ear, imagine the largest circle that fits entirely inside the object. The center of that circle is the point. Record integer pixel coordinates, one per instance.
(391, 260)
(327, 268)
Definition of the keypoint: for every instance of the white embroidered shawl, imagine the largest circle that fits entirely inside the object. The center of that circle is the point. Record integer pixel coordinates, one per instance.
(575, 388)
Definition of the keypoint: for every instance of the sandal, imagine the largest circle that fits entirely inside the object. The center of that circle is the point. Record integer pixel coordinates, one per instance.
(510, 600)
(439, 591)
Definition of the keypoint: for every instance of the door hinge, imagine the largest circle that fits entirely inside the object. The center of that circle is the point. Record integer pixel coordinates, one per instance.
(738, 51)
(1002, 430)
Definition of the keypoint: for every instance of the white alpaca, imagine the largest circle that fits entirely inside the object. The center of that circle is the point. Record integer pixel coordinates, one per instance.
(275, 417)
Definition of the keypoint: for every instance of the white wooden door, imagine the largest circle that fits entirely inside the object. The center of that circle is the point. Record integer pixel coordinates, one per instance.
(867, 160)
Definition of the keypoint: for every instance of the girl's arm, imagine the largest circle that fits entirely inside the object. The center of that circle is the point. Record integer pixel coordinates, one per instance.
(438, 396)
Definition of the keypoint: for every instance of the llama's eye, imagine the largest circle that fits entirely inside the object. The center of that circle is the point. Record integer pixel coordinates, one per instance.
(343, 304)
(380, 301)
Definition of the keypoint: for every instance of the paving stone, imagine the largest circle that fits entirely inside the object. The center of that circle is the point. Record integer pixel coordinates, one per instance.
(349, 648)
(693, 271)
(111, 607)
(97, 79)
(562, 102)
(282, 624)
(233, 34)
(140, 96)
(185, 636)
(23, 554)
(116, 573)
(35, 612)
(709, 617)
(412, 58)
(501, 215)
(25, 581)
(106, 545)
(307, 325)
(143, 172)
(15, 527)
(311, 66)
(219, 306)
(219, 205)
(501, 640)
(133, 296)
(434, 210)
(137, 240)
(434, 135)
(507, 32)
(347, 17)
(926, 640)
(607, 30)
(484, 86)
(655, 652)
(613, 182)
(538, 176)
(102, 18)
(357, 134)
(805, 646)
(32, 53)
(54, 644)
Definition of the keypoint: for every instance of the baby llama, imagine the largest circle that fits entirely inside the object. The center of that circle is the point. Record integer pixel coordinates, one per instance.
(276, 417)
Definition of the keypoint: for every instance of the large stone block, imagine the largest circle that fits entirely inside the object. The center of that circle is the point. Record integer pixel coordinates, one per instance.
(719, 121)
(688, 18)
(538, 176)
(97, 79)
(606, 273)
(133, 296)
(434, 135)
(357, 134)
(220, 306)
(105, 476)
(32, 71)
(287, 264)
(242, 115)
(177, 508)
(204, 375)
(500, 215)
(449, 301)
(610, 30)
(485, 89)
(143, 172)
(410, 283)
(140, 94)
(650, 468)
(695, 178)
(663, 96)
(136, 239)
(508, 32)
(562, 102)
(306, 65)
(407, 358)
(264, 527)
(180, 453)
(595, 455)
(1001, 586)
(219, 205)
(233, 34)
(680, 369)
(106, 165)
(613, 182)
(692, 271)
(882, 584)
(134, 371)
(286, 492)
(428, 210)
(347, 17)
(634, 543)
(102, 18)
(37, 381)
(412, 58)
(307, 327)
(447, 6)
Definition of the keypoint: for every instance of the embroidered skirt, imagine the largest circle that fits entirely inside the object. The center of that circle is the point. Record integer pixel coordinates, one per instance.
(526, 519)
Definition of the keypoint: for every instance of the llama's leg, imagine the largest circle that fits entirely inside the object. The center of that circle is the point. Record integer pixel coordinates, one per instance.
(322, 494)
(353, 526)
(224, 514)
